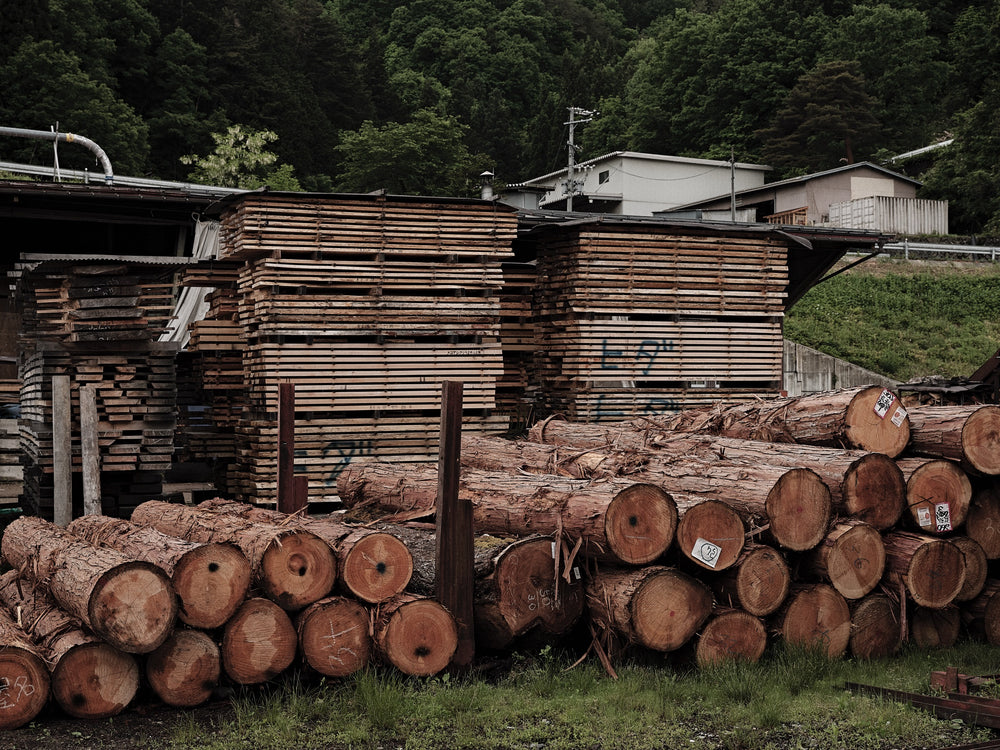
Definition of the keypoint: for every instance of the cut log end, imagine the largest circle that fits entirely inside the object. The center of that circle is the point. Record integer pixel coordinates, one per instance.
(24, 689)
(734, 635)
(981, 440)
(419, 639)
(983, 522)
(133, 607)
(976, 567)
(668, 608)
(856, 561)
(938, 494)
(874, 491)
(334, 637)
(185, 670)
(258, 643)
(95, 681)
(818, 618)
(935, 628)
(529, 594)
(936, 574)
(876, 421)
(377, 568)
(640, 523)
(297, 569)
(875, 627)
(711, 534)
(211, 582)
(799, 507)
(762, 581)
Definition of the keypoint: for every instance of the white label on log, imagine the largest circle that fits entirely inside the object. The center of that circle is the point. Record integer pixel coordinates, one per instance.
(706, 552)
(942, 514)
(924, 516)
(885, 400)
(553, 550)
(576, 572)
(898, 416)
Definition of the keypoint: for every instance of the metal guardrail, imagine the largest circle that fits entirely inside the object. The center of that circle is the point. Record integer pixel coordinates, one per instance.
(906, 247)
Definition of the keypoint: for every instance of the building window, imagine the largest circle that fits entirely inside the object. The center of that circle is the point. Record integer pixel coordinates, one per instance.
(603, 177)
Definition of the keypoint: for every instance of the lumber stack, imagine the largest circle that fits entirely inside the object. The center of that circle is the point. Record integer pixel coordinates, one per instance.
(11, 471)
(632, 321)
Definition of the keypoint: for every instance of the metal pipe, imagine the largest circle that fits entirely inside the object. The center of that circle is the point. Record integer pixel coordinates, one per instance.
(55, 137)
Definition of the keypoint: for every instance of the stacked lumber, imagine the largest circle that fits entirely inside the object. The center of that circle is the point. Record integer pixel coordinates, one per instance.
(518, 338)
(11, 471)
(636, 321)
(366, 304)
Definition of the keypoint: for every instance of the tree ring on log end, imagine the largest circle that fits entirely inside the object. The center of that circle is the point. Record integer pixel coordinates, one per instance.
(640, 523)
(983, 521)
(856, 561)
(95, 681)
(981, 439)
(877, 422)
(874, 491)
(377, 567)
(731, 636)
(936, 483)
(211, 582)
(718, 524)
(875, 629)
(976, 567)
(762, 581)
(185, 669)
(935, 628)
(297, 569)
(420, 638)
(668, 608)
(334, 637)
(818, 618)
(258, 643)
(26, 680)
(133, 607)
(529, 593)
(936, 574)
(798, 508)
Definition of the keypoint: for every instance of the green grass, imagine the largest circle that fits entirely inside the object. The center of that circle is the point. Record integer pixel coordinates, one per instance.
(904, 319)
(791, 699)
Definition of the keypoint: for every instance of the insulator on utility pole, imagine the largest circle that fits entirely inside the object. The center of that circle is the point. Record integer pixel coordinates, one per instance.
(588, 115)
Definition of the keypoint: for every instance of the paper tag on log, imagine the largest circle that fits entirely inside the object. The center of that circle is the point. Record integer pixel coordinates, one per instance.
(706, 552)
(942, 514)
(924, 516)
(898, 416)
(576, 572)
(885, 400)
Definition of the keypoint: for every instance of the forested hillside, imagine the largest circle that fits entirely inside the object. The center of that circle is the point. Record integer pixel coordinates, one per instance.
(422, 96)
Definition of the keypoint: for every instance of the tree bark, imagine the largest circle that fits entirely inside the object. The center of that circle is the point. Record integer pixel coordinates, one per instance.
(731, 635)
(875, 627)
(415, 634)
(210, 579)
(185, 670)
(657, 607)
(258, 642)
(90, 679)
(932, 569)
(758, 582)
(938, 494)
(967, 434)
(292, 567)
(617, 519)
(333, 636)
(983, 520)
(129, 603)
(976, 567)
(815, 617)
(851, 558)
(935, 628)
(982, 615)
(24, 685)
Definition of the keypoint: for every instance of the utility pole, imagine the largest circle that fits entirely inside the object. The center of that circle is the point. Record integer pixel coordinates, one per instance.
(732, 184)
(588, 115)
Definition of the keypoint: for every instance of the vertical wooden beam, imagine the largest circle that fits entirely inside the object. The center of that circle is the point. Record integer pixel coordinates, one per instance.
(90, 451)
(62, 450)
(455, 536)
(301, 492)
(286, 447)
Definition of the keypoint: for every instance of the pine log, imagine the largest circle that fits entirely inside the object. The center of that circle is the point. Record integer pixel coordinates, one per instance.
(333, 636)
(935, 628)
(864, 485)
(185, 670)
(712, 533)
(871, 418)
(981, 616)
(210, 579)
(415, 634)
(758, 582)
(258, 642)
(967, 434)
(616, 519)
(815, 617)
(90, 679)
(292, 567)
(875, 627)
(731, 635)
(129, 603)
(976, 567)
(938, 494)
(851, 558)
(932, 569)
(983, 521)
(373, 565)
(24, 679)
(795, 500)
(657, 607)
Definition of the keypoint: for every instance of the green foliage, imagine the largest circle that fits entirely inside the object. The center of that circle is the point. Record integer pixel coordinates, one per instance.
(240, 160)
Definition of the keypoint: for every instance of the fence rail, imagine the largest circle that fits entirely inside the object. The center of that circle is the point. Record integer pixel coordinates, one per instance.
(906, 247)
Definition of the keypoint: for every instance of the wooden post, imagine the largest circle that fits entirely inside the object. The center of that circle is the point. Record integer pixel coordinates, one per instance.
(455, 561)
(286, 448)
(62, 450)
(90, 451)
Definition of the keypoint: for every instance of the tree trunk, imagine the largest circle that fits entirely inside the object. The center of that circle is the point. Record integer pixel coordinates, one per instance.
(373, 565)
(292, 567)
(851, 558)
(875, 627)
(617, 519)
(211, 580)
(796, 501)
(982, 614)
(333, 636)
(90, 679)
(758, 582)
(864, 485)
(657, 607)
(129, 603)
(871, 418)
(976, 567)
(932, 569)
(185, 670)
(712, 533)
(935, 628)
(983, 520)
(967, 434)
(24, 686)
(938, 494)
(415, 634)
(258, 642)
(816, 617)
(731, 635)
